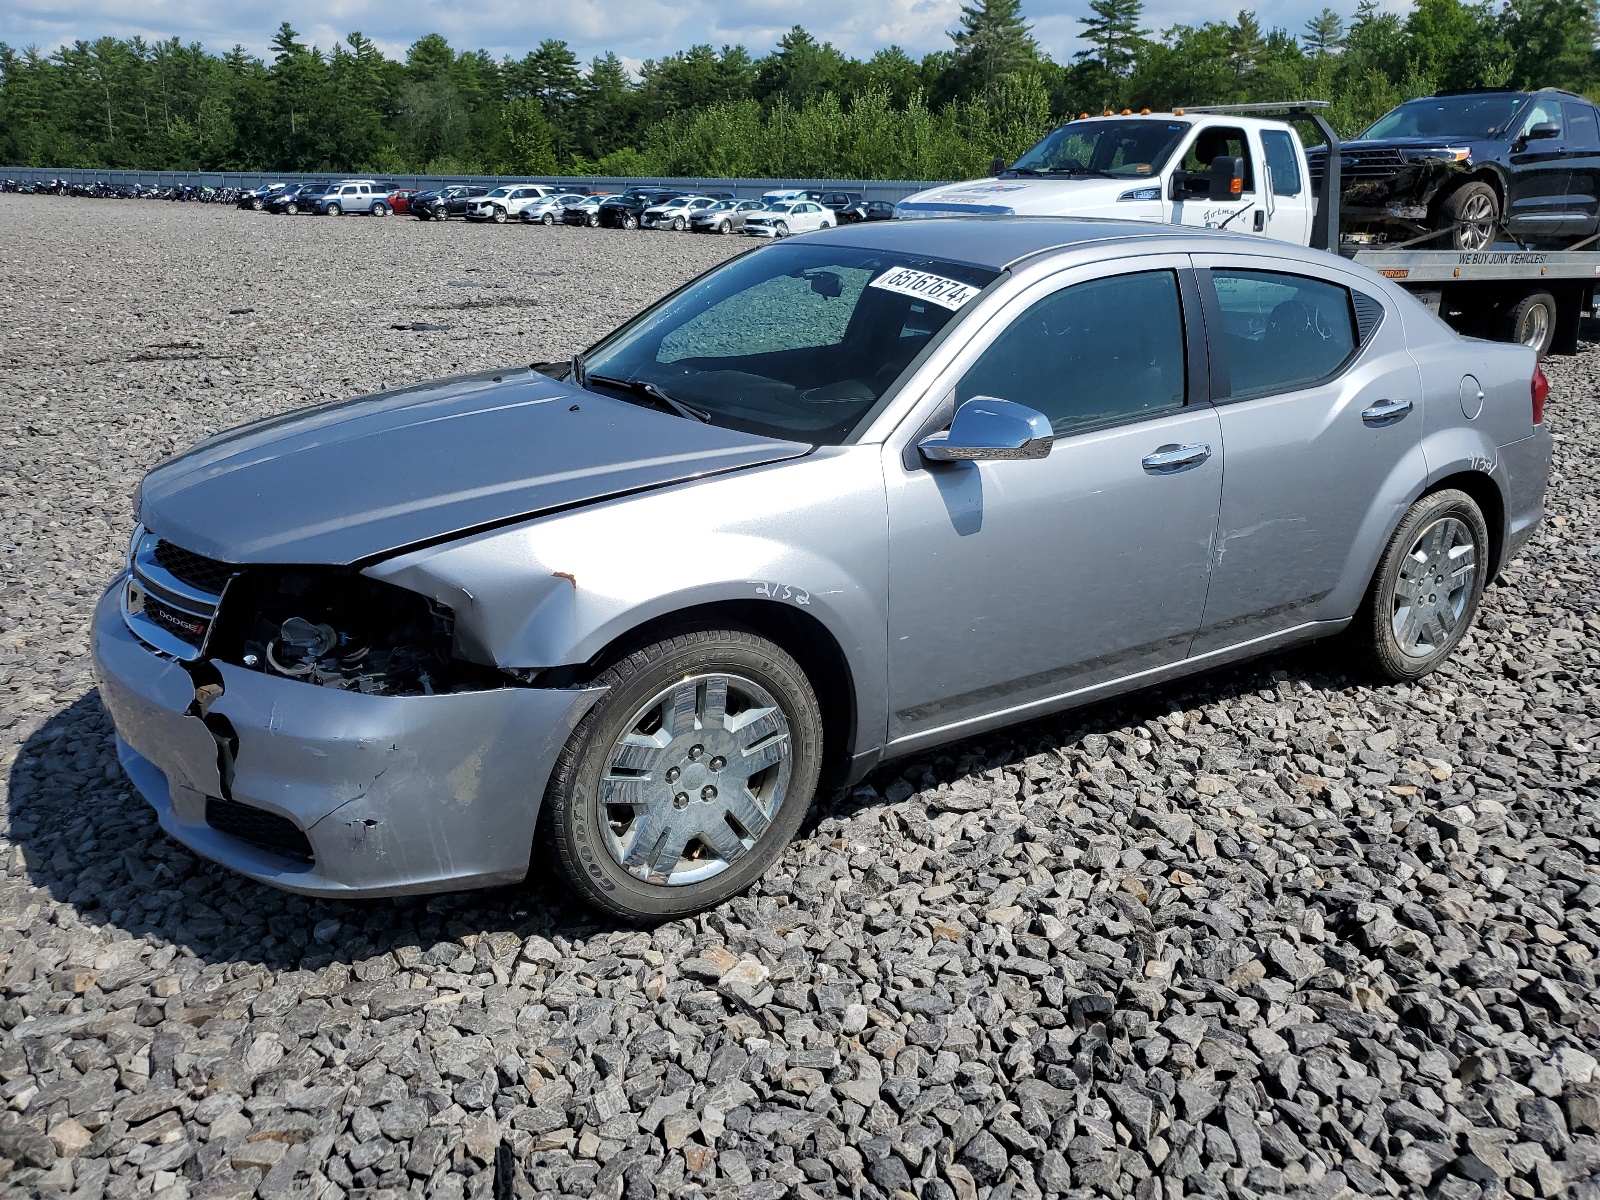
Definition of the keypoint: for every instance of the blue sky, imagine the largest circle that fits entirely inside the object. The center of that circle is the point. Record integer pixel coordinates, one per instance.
(635, 29)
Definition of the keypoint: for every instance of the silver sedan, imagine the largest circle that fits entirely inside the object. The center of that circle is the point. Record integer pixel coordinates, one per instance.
(842, 499)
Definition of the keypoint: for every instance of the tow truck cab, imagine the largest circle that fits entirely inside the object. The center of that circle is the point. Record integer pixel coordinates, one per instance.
(1186, 167)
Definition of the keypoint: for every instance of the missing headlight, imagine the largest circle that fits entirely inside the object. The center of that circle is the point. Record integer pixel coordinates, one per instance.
(336, 628)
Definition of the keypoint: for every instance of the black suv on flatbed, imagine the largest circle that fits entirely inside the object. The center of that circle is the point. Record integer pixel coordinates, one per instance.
(1471, 166)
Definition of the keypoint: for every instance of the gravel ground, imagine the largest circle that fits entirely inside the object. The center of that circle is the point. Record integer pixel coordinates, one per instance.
(1271, 932)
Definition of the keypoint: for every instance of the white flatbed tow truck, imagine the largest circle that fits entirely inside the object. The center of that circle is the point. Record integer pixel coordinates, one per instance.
(1244, 167)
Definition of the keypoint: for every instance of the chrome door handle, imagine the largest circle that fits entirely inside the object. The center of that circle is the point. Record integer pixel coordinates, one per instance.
(1386, 412)
(1167, 459)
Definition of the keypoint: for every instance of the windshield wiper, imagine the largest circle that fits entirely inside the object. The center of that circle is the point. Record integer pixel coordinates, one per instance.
(649, 391)
(1075, 169)
(1018, 171)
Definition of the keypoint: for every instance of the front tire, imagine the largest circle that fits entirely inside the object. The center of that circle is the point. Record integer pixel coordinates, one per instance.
(548, 220)
(333, 210)
(594, 221)
(498, 216)
(688, 778)
(781, 229)
(678, 225)
(290, 210)
(630, 222)
(1472, 214)
(725, 228)
(1426, 589)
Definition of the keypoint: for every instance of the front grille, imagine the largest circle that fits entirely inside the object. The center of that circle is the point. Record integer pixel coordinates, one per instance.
(260, 828)
(196, 570)
(188, 629)
(1356, 165)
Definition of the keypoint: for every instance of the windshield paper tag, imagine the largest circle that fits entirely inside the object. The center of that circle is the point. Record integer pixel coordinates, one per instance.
(947, 293)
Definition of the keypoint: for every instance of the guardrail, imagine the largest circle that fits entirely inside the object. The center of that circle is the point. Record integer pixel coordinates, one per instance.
(873, 189)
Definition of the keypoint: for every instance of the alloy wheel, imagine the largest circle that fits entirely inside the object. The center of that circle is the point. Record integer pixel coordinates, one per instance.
(1434, 586)
(1475, 223)
(1536, 327)
(696, 779)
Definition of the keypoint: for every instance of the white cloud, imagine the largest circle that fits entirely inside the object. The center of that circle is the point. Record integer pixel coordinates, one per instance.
(635, 29)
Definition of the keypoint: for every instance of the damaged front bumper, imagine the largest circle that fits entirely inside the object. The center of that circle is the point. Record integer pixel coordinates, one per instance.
(393, 794)
(1405, 195)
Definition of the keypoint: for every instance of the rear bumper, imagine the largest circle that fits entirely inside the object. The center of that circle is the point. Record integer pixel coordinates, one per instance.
(395, 794)
(1527, 474)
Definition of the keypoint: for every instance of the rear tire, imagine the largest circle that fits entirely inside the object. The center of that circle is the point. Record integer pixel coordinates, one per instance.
(380, 210)
(1426, 589)
(1472, 214)
(642, 742)
(1531, 321)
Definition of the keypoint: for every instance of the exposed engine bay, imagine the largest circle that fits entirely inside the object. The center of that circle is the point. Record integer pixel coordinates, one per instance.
(336, 628)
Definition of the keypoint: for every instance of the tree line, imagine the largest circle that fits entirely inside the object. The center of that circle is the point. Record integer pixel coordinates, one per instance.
(803, 110)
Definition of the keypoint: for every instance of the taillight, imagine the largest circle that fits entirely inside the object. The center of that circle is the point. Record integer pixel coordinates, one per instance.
(1541, 393)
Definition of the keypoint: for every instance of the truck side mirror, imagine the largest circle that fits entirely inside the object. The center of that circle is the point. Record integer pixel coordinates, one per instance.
(1227, 177)
(1543, 130)
(996, 165)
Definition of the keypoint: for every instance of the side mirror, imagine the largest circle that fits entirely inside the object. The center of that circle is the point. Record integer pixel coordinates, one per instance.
(987, 428)
(1227, 178)
(996, 165)
(1543, 130)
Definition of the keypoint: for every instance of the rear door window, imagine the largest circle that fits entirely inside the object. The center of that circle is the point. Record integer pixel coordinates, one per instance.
(1282, 331)
(1279, 147)
(1582, 131)
(1093, 354)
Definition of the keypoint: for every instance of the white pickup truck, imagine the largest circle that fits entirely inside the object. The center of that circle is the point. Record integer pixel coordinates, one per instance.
(1182, 167)
(1221, 168)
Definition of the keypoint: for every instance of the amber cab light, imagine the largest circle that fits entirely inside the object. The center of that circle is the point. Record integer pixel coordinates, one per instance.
(1541, 393)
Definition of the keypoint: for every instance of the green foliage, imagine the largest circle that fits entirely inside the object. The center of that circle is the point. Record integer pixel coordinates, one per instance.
(806, 109)
(994, 46)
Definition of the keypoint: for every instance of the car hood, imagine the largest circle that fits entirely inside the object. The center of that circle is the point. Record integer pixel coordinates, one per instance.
(358, 479)
(1431, 142)
(1020, 197)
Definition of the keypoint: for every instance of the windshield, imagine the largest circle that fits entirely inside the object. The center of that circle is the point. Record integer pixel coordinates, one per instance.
(500, 192)
(793, 341)
(1487, 115)
(1100, 147)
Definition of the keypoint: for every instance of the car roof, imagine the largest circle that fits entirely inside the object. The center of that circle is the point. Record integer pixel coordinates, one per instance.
(1000, 242)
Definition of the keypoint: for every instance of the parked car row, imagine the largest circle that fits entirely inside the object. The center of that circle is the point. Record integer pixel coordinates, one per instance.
(776, 214)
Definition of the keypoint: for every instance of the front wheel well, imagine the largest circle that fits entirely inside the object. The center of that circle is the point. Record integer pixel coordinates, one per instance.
(1486, 494)
(1496, 184)
(806, 639)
